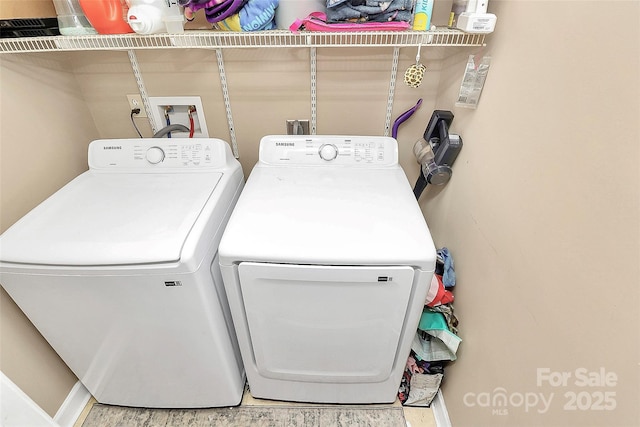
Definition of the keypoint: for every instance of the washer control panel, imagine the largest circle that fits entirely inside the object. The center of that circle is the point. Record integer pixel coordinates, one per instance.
(329, 150)
(153, 154)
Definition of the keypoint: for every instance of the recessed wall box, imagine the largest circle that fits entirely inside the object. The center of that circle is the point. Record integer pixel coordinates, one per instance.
(177, 110)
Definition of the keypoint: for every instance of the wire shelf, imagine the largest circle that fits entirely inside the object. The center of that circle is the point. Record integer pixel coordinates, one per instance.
(258, 39)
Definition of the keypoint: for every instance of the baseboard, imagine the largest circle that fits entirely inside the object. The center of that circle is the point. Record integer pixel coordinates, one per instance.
(72, 406)
(440, 412)
(17, 409)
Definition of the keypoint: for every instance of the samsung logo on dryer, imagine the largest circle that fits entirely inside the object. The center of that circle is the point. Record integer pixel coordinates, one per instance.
(285, 144)
(112, 147)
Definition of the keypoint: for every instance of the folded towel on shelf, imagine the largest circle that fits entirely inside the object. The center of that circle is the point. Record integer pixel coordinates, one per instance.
(235, 15)
(369, 10)
(256, 15)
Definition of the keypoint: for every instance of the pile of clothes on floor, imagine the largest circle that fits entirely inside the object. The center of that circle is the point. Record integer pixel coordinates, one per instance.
(436, 341)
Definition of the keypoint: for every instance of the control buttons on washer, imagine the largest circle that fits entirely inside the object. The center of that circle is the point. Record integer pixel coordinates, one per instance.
(328, 152)
(155, 155)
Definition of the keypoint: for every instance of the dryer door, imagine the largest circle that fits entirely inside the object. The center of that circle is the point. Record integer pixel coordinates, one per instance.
(325, 323)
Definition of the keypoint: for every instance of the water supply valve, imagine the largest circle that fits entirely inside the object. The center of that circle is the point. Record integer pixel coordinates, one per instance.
(436, 151)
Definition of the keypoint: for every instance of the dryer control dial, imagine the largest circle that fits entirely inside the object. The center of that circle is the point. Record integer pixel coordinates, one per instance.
(155, 155)
(328, 152)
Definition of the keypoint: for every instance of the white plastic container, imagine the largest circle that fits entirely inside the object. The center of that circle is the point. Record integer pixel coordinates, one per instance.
(289, 10)
(155, 16)
(71, 18)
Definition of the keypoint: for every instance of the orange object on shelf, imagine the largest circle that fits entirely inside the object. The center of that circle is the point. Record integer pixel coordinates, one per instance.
(107, 16)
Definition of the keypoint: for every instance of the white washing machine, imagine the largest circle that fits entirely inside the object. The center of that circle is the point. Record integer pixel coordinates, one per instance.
(119, 272)
(326, 261)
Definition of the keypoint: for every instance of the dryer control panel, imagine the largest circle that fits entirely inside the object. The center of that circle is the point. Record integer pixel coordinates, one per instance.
(329, 150)
(152, 154)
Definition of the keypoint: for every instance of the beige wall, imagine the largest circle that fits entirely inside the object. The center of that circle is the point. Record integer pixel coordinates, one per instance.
(267, 87)
(44, 129)
(541, 215)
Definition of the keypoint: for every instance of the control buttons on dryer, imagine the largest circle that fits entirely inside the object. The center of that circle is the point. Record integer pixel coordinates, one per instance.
(328, 152)
(155, 155)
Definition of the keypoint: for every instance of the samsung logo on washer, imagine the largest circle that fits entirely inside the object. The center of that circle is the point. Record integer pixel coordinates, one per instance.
(285, 144)
(112, 147)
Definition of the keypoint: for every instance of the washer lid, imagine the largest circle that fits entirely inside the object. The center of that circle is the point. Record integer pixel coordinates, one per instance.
(328, 215)
(111, 219)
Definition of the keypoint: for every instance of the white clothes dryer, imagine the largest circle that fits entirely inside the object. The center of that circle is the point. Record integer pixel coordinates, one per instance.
(119, 272)
(326, 261)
